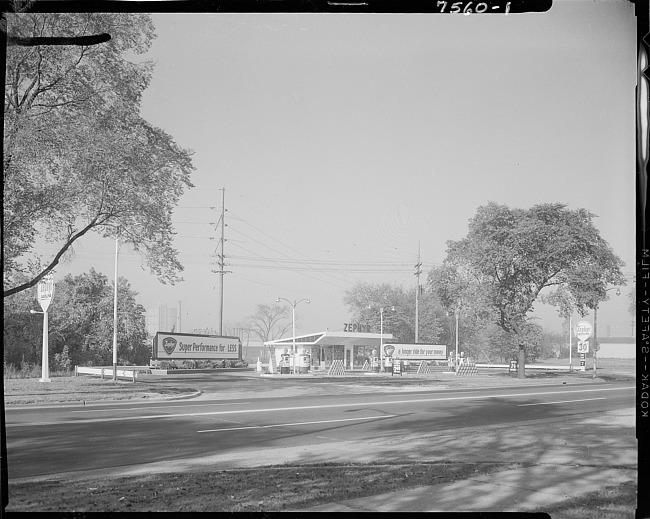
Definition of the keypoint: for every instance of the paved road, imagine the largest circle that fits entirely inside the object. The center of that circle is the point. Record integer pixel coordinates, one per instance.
(305, 428)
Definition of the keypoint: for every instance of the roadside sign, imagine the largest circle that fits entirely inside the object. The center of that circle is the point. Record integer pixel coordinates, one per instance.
(46, 291)
(583, 347)
(582, 330)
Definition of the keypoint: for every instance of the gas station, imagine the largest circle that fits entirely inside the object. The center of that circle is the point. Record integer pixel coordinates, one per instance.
(317, 351)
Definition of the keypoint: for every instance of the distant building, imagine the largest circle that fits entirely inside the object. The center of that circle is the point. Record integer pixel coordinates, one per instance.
(617, 347)
(162, 319)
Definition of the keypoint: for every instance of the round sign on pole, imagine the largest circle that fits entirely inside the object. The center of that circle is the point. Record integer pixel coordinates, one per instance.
(582, 330)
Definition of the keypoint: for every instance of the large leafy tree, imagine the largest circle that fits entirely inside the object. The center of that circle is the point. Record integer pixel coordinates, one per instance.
(511, 255)
(81, 319)
(365, 300)
(77, 155)
(22, 330)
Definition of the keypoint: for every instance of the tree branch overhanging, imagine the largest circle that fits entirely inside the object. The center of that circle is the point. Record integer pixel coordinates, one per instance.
(95, 222)
(58, 40)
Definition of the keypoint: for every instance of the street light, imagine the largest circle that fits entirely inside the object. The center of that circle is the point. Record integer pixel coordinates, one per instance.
(618, 293)
(117, 250)
(457, 315)
(293, 320)
(381, 336)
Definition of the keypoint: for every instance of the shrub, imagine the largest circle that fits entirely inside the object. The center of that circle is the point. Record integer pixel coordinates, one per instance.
(62, 360)
(27, 370)
(238, 364)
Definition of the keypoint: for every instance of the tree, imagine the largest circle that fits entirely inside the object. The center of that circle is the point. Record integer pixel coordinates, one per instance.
(77, 155)
(455, 289)
(511, 255)
(80, 323)
(364, 301)
(632, 297)
(269, 322)
(497, 345)
(553, 344)
(22, 330)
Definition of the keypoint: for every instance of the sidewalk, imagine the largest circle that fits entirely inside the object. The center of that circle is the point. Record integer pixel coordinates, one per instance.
(516, 490)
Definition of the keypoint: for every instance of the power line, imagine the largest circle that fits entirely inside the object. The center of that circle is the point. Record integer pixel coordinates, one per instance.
(291, 269)
(279, 252)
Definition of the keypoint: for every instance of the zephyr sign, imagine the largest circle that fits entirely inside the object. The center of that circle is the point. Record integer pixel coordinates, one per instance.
(582, 330)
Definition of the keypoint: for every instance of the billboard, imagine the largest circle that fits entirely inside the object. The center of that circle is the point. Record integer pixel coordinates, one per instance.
(187, 346)
(416, 351)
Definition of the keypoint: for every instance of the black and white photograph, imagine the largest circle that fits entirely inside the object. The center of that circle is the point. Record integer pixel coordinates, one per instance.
(340, 257)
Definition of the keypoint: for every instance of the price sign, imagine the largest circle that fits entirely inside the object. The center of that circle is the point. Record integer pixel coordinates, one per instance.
(583, 347)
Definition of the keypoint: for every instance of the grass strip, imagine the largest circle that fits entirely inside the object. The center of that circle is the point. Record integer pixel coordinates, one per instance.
(267, 489)
(610, 502)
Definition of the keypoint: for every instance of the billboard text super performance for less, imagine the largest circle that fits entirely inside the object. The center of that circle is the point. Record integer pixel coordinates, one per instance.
(190, 346)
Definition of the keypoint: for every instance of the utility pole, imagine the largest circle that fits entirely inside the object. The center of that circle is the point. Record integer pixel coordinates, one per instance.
(221, 258)
(418, 271)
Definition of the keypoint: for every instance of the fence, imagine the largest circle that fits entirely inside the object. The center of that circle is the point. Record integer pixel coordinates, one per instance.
(549, 367)
(131, 374)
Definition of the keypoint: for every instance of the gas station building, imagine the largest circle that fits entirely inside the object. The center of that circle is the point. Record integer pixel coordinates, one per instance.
(319, 350)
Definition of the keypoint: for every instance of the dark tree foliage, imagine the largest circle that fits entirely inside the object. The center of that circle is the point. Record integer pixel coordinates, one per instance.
(81, 319)
(77, 155)
(510, 255)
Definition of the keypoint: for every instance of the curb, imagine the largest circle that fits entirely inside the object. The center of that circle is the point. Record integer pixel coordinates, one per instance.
(89, 403)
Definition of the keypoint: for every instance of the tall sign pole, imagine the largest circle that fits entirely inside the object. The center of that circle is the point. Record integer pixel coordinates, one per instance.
(583, 331)
(45, 294)
(117, 249)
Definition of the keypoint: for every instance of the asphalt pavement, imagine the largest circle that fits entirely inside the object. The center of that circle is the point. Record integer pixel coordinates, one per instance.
(540, 482)
(522, 489)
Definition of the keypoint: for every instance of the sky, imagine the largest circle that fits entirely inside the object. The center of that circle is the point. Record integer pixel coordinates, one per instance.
(346, 142)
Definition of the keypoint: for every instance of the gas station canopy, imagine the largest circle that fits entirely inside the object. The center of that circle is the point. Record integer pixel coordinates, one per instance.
(328, 338)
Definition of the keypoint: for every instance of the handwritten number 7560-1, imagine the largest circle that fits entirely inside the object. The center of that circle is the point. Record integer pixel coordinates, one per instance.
(457, 7)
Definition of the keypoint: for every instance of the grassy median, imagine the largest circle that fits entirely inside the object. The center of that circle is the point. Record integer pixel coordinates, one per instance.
(267, 489)
(70, 389)
(242, 490)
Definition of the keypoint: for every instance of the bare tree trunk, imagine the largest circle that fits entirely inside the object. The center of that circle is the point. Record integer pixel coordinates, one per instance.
(521, 368)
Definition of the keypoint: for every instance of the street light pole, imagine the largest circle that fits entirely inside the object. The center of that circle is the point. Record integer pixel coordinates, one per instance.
(570, 344)
(381, 339)
(456, 314)
(293, 325)
(117, 248)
